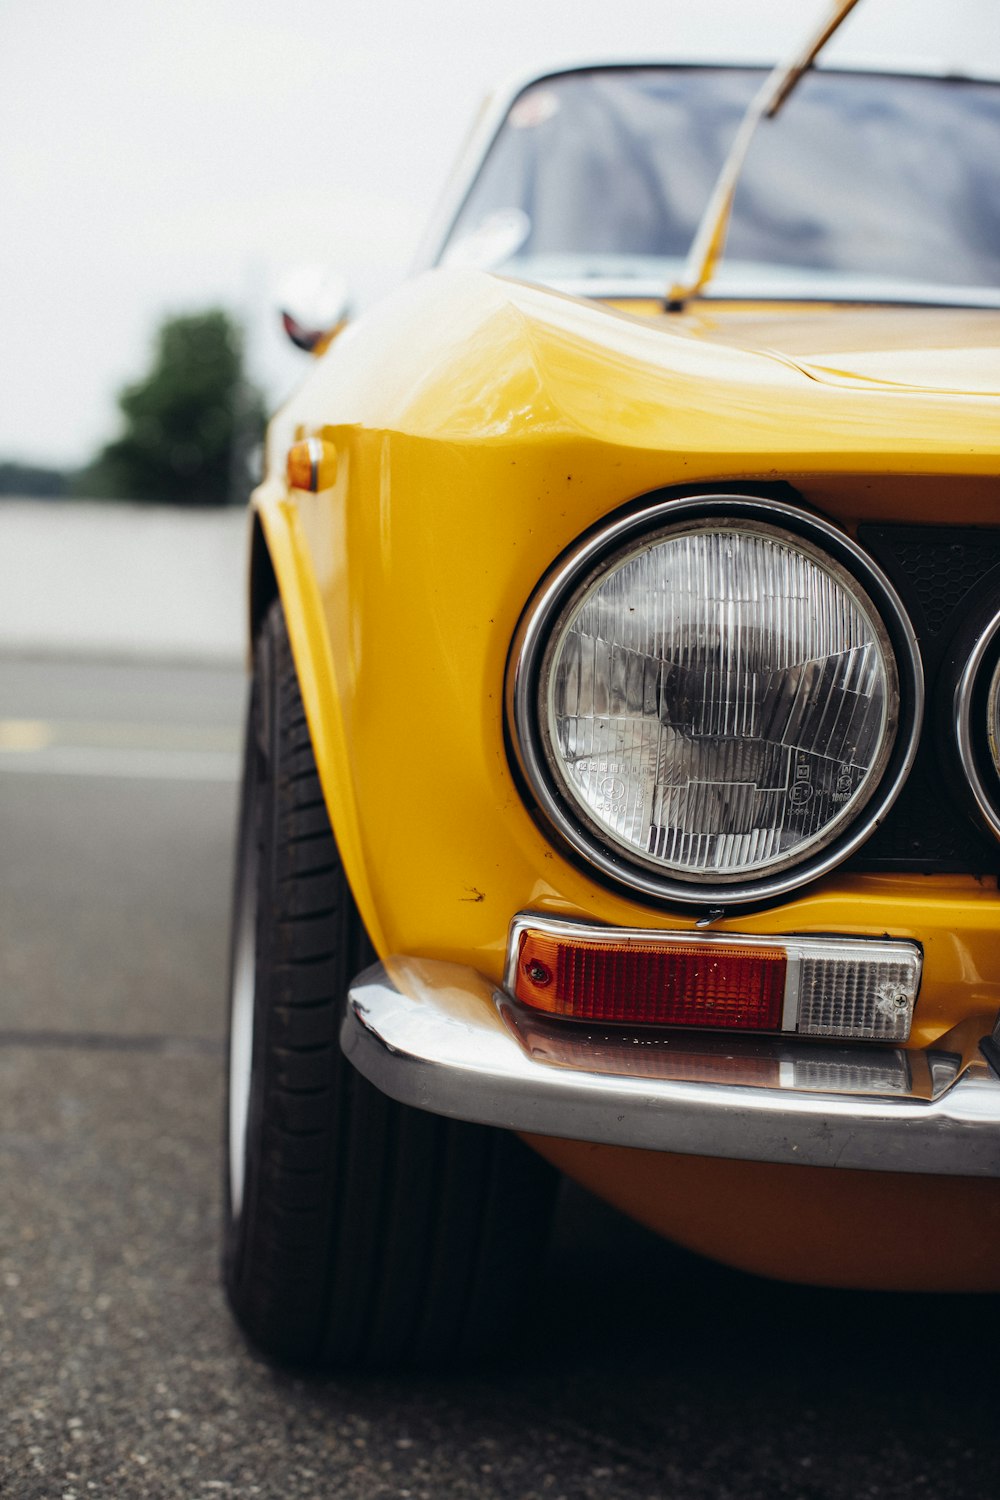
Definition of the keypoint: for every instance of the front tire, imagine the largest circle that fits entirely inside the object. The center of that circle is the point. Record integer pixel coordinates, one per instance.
(359, 1232)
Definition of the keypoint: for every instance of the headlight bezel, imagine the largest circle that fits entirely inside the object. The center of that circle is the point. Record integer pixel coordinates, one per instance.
(567, 580)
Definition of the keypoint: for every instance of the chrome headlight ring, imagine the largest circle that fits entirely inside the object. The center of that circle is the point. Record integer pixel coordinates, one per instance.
(596, 557)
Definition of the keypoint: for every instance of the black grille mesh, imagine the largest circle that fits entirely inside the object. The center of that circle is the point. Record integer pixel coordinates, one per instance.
(935, 570)
(941, 570)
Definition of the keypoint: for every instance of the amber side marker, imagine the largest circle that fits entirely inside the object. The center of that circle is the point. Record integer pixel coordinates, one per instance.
(695, 984)
(311, 464)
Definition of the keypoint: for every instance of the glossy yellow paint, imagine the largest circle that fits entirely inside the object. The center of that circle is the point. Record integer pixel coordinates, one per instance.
(311, 649)
(480, 426)
(892, 1231)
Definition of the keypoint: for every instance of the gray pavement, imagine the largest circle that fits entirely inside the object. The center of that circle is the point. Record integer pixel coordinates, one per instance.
(641, 1374)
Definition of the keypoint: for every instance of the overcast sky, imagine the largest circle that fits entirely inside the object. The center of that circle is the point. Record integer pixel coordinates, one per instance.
(164, 155)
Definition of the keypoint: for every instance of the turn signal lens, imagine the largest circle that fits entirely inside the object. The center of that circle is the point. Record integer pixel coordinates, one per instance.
(855, 988)
(685, 984)
(311, 465)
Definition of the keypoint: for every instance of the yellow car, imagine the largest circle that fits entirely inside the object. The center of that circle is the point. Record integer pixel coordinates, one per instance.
(622, 785)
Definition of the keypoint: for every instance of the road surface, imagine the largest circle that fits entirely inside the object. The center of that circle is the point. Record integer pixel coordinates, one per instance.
(642, 1374)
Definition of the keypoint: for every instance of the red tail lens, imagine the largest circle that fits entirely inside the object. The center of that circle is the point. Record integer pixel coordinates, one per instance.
(683, 984)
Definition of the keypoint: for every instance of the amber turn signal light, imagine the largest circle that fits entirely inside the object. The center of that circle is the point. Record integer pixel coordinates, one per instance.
(311, 465)
(685, 984)
(853, 987)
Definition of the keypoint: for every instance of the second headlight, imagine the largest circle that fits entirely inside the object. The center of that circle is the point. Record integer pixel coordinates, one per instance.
(708, 699)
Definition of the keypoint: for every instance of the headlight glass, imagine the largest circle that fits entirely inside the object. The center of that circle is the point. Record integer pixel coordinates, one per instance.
(718, 700)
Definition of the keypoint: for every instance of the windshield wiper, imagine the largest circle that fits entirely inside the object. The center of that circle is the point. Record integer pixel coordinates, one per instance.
(710, 238)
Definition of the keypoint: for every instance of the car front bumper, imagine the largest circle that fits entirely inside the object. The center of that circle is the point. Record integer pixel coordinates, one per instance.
(441, 1037)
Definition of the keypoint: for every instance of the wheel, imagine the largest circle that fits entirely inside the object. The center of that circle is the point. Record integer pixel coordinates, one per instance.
(358, 1232)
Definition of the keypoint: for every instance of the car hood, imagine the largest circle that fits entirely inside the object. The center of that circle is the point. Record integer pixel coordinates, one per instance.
(465, 357)
(933, 350)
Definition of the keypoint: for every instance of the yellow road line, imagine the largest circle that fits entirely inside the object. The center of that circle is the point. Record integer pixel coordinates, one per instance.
(170, 752)
(25, 734)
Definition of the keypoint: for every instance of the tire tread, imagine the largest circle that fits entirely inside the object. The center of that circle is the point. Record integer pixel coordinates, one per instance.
(375, 1235)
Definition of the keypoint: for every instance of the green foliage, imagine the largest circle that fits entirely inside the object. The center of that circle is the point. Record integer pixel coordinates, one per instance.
(189, 425)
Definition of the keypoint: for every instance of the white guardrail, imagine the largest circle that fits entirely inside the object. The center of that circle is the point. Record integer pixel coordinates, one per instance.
(92, 578)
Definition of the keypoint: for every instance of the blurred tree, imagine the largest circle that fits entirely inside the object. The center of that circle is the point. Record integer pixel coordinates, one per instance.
(190, 425)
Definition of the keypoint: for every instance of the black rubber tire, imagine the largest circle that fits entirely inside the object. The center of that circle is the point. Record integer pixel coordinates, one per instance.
(369, 1234)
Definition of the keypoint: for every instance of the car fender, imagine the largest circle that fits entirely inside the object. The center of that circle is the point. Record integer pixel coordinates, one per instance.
(278, 530)
(480, 427)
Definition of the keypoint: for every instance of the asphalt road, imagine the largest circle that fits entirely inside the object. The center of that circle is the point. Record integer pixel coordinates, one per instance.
(642, 1374)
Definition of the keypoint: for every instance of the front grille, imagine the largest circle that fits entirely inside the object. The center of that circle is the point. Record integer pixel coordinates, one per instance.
(937, 571)
(937, 566)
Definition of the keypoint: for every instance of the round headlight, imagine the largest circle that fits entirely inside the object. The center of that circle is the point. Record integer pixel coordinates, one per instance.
(714, 701)
(977, 717)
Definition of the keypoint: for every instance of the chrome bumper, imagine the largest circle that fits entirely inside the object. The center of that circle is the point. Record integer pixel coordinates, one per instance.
(441, 1037)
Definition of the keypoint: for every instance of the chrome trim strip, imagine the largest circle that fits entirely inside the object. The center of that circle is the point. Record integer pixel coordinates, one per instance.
(528, 649)
(431, 1035)
(796, 948)
(961, 723)
(793, 979)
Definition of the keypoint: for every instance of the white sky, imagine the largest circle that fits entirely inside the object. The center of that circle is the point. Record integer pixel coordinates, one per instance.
(163, 155)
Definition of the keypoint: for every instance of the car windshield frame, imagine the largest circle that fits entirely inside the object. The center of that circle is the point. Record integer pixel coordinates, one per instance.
(634, 277)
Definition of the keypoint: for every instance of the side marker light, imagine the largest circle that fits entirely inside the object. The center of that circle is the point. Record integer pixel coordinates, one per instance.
(311, 465)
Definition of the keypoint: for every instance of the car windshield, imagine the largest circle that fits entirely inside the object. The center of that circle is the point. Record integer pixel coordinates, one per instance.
(865, 184)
